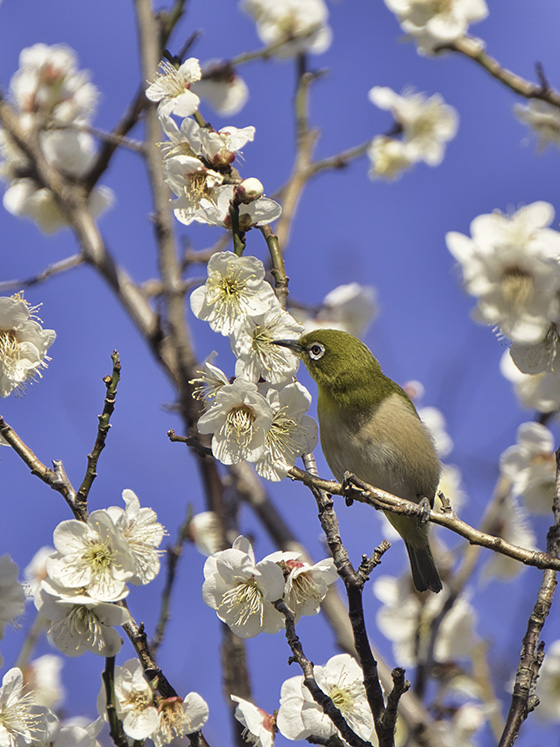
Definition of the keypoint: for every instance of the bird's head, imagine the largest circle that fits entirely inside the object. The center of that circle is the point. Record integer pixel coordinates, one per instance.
(336, 360)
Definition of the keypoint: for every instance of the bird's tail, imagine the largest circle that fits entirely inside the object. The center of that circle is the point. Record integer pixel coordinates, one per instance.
(424, 572)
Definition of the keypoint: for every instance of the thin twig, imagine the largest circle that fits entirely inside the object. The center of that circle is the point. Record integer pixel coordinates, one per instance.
(115, 724)
(321, 698)
(57, 267)
(471, 48)
(37, 468)
(523, 699)
(111, 383)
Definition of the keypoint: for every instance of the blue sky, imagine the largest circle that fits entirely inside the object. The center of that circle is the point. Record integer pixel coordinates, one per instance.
(347, 228)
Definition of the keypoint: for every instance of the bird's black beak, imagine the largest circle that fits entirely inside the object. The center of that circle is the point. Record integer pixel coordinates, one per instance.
(291, 344)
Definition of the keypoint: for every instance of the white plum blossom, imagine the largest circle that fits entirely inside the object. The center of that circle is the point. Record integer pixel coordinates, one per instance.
(48, 84)
(210, 380)
(433, 23)
(12, 596)
(72, 153)
(511, 265)
(467, 720)
(259, 212)
(79, 623)
(78, 733)
(427, 122)
(235, 288)
(242, 592)
(42, 675)
(306, 584)
(539, 392)
(544, 120)
(143, 533)
(238, 417)
(513, 525)
(531, 466)
(23, 344)
(450, 484)
(171, 88)
(548, 684)
(220, 147)
(36, 569)
(290, 434)
(222, 88)
(350, 307)
(539, 357)
(178, 716)
(301, 24)
(92, 555)
(260, 726)
(388, 157)
(22, 722)
(253, 345)
(195, 186)
(435, 422)
(134, 700)
(342, 680)
(405, 619)
(204, 529)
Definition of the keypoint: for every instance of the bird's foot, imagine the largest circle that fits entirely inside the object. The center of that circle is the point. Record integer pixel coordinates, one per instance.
(351, 484)
(425, 508)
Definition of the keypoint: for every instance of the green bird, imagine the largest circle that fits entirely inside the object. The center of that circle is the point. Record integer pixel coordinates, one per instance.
(369, 426)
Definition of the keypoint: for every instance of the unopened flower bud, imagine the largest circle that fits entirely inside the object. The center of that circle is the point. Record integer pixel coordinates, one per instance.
(249, 190)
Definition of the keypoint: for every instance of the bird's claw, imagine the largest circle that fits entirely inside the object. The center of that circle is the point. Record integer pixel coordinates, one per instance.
(351, 484)
(425, 509)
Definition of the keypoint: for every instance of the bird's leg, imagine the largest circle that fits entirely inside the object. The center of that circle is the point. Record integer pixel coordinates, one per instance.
(425, 508)
(351, 484)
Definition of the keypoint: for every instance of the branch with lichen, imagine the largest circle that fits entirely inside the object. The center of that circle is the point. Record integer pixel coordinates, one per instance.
(383, 501)
(523, 699)
(111, 383)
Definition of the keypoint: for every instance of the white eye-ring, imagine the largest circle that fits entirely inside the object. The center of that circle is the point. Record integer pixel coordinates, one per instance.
(316, 351)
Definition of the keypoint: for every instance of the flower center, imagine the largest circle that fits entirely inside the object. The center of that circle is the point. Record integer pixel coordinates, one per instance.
(9, 351)
(341, 698)
(17, 719)
(172, 720)
(169, 77)
(239, 423)
(99, 556)
(517, 286)
(244, 600)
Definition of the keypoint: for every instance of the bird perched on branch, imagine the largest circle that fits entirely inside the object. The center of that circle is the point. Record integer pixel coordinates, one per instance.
(369, 427)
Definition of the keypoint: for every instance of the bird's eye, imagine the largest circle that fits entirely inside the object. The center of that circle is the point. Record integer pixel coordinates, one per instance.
(316, 351)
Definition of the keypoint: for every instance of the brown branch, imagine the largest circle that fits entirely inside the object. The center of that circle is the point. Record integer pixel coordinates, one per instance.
(471, 48)
(111, 383)
(55, 479)
(380, 500)
(321, 698)
(57, 267)
(523, 699)
(278, 268)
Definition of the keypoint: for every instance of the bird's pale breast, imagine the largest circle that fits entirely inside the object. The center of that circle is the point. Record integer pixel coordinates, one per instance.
(391, 449)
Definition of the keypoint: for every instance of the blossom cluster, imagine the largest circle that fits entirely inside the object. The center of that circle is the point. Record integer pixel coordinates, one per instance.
(434, 24)
(51, 95)
(511, 264)
(260, 417)
(197, 160)
(425, 124)
(243, 591)
(145, 715)
(89, 571)
(301, 718)
(292, 26)
(23, 344)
